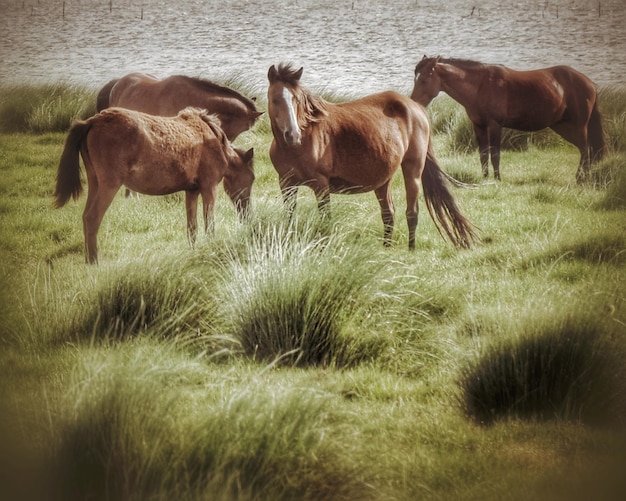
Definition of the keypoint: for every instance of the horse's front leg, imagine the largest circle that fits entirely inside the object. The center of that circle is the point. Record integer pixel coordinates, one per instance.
(323, 202)
(387, 211)
(290, 195)
(495, 142)
(482, 136)
(208, 208)
(191, 204)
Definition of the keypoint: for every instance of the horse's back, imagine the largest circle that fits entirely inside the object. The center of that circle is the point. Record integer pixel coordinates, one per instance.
(372, 136)
(131, 130)
(115, 131)
(136, 91)
(154, 155)
(388, 106)
(577, 86)
(558, 80)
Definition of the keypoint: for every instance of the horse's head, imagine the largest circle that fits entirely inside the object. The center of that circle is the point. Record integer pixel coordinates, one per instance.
(241, 121)
(427, 83)
(282, 103)
(239, 178)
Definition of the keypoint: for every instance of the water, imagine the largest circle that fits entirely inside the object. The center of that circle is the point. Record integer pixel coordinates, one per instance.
(352, 47)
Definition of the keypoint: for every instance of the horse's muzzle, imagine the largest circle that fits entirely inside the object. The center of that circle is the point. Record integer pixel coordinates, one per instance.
(293, 139)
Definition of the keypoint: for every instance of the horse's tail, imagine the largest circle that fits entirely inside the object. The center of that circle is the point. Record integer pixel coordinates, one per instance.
(595, 135)
(442, 207)
(102, 101)
(69, 184)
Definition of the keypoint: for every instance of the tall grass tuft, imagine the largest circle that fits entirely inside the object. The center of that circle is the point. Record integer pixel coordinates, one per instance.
(613, 108)
(140, 429)
(567, 369)
(280, 444)
(610, 173)
(161, 296)
(43, 108)
(292, 295)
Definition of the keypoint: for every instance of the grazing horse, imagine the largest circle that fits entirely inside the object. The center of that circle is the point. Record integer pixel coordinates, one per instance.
(166, 97)
(356, 147)
(495, 96)
(141, 92)
(155, 156)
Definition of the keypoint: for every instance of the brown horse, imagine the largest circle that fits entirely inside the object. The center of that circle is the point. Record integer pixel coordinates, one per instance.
(141, 92)
(155, 156)
(495, 96)
(356, 147)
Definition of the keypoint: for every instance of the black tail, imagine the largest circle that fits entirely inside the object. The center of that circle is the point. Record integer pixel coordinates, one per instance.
(441, 205)
(595, 135)
(69, 184)
(102, 101)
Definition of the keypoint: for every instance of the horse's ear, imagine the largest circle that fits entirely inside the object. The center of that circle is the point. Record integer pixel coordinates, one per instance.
(437, 59)
(425, 57)
(248, 155)
(298, 73)
(272, 74)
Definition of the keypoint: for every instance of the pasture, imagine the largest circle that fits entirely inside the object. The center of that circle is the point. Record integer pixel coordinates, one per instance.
(306, 360)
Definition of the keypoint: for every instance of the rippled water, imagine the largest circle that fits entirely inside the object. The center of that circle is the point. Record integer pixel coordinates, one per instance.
(347, 46)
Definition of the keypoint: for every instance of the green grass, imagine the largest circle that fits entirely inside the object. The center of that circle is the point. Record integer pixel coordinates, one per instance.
(305, 360)
(43, 108)
(568, 369)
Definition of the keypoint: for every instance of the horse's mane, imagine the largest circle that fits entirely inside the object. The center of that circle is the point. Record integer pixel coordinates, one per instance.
(213, 87)
(312, 107)
(466, 64)
(211, 119)
(463, 63)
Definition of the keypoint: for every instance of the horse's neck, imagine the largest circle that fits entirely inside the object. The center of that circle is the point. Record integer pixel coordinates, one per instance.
(460, 84)
(212, 100)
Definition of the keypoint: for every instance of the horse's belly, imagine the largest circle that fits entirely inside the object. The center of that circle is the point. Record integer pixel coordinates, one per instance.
(339, 185)
(158, 181)
(528, 124)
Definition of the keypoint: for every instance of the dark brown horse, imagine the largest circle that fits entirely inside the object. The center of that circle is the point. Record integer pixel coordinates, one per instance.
(357, 147)
(141, 92)
(495, 96)
(155, 156)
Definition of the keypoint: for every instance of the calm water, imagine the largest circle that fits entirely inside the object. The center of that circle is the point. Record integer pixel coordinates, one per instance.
(348, 46)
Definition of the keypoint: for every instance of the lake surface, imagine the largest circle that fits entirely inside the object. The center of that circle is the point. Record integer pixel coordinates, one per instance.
(352, 47)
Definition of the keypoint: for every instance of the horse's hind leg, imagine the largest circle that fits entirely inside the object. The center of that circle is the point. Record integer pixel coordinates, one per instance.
(577, 135)
(383, 194)
(482, 136)
(191, 208)
(411, 185)
(99, 199)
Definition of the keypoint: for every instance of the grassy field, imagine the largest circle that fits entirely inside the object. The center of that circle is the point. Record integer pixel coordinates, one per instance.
(307, 361)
